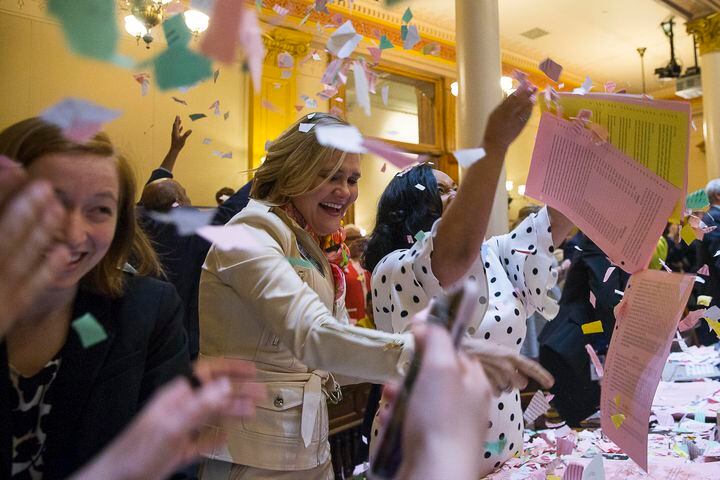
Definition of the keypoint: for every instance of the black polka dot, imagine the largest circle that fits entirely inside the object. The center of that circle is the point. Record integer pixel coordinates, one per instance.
(551, 249)
(502, 436)
(517, 397)
(402, 269)
(377, 309)
(398, 288)
(515, 293)
(489, 424)
(487, 264)
(523, 293)
(401, 256)
(531, 247)
(487, 454)
(482, 300)
(497, 318)
(549, 229)
(519, 426)
(517, 312)
(512, 417)
(537, 290)
(497, 294)
(392, 307)
(416, 283)
(517, 267)
(513, 236)
(515, 277)
(509, 330)
(404, 313)
(519, 341)
(386, 310)
(507, 262)
(497, 464)
(535, 271)
(529, 230)
(416, 299)
(487, 335)
(424, 269)
(383, 279)
(511, 446)
(501, 405)
(375, 292)
(493, 280)
(473, 278)
(512, 252)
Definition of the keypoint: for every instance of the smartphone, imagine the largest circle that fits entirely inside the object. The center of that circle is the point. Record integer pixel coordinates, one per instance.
(453, 312)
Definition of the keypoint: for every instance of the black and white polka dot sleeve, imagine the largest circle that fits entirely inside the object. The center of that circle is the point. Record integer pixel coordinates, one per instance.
(403, 284)
(526, 254)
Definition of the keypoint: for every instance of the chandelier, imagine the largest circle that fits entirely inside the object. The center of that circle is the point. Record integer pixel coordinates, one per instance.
(146, 14)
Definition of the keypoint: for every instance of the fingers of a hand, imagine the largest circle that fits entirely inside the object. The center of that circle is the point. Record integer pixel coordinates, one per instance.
(12, 177)
(534, 370)
(249, 390)
(519, 380)
(187, 134)
(497, 383)
(439, 352)
(209, 368)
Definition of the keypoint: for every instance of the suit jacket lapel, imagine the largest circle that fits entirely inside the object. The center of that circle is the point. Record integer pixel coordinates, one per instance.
(76, 377)
(5, 425)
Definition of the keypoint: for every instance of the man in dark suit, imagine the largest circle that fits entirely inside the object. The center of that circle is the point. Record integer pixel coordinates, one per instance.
(707, 250)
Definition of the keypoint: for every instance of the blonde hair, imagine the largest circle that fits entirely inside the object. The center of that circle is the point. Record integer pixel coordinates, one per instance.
(30, 139)
(293, 162)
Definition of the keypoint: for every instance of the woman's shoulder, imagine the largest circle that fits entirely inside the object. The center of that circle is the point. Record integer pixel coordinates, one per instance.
(145, 286)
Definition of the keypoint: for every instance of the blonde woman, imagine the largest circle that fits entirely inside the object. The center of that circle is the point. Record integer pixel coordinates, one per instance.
(282, 307)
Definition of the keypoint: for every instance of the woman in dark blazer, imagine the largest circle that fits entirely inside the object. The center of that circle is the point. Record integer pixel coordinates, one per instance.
(94, 346)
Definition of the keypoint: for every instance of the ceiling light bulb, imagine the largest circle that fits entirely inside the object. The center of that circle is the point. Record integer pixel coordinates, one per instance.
(521, 189)
(134, 27)
(509, 185)
(506, 83)
(454, 89)
(196, 21)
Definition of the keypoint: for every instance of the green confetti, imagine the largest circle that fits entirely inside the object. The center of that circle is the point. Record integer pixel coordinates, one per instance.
(89, 330)
(407, 16)
(403, 32)
(197, 116)
(89, 26)
(495, 447)
(180, 67)
(697, 200)
(176, 31)
(385, 43)
(300, 262)
(419, 236)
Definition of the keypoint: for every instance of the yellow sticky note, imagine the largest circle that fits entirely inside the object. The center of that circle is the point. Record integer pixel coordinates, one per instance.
(617, 399)
(618, 419)
(687, 234)
(714, 325)
(704, 300)
(592, 327)
(552, 477)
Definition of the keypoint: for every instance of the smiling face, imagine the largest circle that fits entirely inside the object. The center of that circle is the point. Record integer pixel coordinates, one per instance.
(446, 188)
(326, 203)
(88, 186)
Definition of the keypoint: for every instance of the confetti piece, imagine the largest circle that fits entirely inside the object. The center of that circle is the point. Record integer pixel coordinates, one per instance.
(344, 40)
(144, 80)
(595, 360)
(592, 327)
(385, 43)
(220, 154)
(299, 107)
(179, 100)
(343, 137)
(375, 53)
(384, 93)
(186, 220)
(610, 87)
(584, 88)
(407, 16)
(496, 447)
(90, 331)
(564, 445)
(206, 141)
(608, 272)
(713, 313)
(229, 237)
(699, 279)
(78, 119)
(89, 26)
(398, 158)
(551, 68)
(215, 107)
(196, 116)
(467, 157)
(697, 200)
(420, 187)
(431, 49)
(592, 299)
(220, 40)
(311, 103)
(282, 11)
(419, 236)
(617, 419)
(226, 115)
(412, 38)
(577, 248)
(714, 325)
(704, 270)
(539, 405)
(384, 167)
(687, 234)
(704, 300)
(178, 66)
(285, 60)
(300, 262)
(691, 319)
(619, 292)
(616, 399)
(216, 74)
(362, 92)
(306, 127)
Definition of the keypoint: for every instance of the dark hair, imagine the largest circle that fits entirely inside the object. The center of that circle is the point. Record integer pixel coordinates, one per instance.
(403, 210)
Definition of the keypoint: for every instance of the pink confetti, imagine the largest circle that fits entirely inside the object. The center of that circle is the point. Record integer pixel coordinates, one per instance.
(592, 299)
(595, 360)
(565, 445)
(299, 107)
(608, 272)
(375, 53)
(610, 87)
(285, 60)
(282, 11)
(691, 319)
(389, 153)
(270, 106)
(384, 167)
(551, 68)
(704, 270)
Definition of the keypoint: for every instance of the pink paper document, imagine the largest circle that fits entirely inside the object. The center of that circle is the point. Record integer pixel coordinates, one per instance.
(621, 205)
(221, 38)
(654, 301)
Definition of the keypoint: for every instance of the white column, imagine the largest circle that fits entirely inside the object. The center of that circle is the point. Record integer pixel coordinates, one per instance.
(479, 70)
(707, 34)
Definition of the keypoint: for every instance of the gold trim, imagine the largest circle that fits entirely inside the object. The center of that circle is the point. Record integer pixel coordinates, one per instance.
(707, 33)
(281, 40)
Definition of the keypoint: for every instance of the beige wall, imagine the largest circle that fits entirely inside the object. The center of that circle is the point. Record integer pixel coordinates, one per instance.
(38, 71)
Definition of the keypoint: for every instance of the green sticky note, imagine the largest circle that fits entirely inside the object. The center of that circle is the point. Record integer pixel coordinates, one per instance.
(89, 26)
(197, 116)
(89, 330)
(385, 43)
(180, 67)
(495, 447)
(697, 200)
(176, 31)
(407, 16)
(419, 236)
(403, 32)
(300, 262)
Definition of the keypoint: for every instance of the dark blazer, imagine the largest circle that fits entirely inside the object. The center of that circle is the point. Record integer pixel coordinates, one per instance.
(99, 390)
(182, 257)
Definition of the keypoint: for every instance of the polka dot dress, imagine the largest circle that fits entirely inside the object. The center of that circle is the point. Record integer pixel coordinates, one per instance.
(515, 273)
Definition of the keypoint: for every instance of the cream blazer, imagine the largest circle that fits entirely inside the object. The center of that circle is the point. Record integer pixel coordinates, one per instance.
(274, 305)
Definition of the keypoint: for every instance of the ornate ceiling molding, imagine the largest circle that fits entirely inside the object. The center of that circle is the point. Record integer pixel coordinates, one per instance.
(707, 33)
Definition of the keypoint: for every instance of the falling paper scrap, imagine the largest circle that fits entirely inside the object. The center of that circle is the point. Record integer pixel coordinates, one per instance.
(252, 44)
(349, 139)
(221, 38)
(407, 16)
(697, 200)
(306, 127)
(584, 88)
(89, 26)
(178, 66)
(362, 91)
(144, 80)
(538, 406)
(592, 327)
(206, 141)
(196, 116)
(229, 237)
(375, 53)
(220, 154)
(186, 220)
(551, 68)
(595, 360)
(469, 156)
(285, 60)
(78, 119)
(385, 43)
(216, 74)
(179, 100)
(226, 115)
(215, 107)
(495, 447)
(412, 38)
(89, 330)
(344, 40)
(420, 187)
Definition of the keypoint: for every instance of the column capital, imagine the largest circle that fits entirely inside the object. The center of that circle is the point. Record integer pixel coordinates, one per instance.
(707, 32)
(280, 39)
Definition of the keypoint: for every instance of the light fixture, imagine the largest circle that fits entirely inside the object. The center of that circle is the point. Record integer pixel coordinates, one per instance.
(147, 14)
(196, 21)
(672, 69)
(506, 83)
(509, 185)
(641, 52)
(521, 189)
(454, 89)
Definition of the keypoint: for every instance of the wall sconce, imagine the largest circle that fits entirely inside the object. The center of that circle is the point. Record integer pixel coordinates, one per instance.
(521, 190)
(146, 14)
(509, 185)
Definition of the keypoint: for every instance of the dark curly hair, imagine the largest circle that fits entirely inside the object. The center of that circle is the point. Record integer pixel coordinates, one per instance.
(403, 210)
